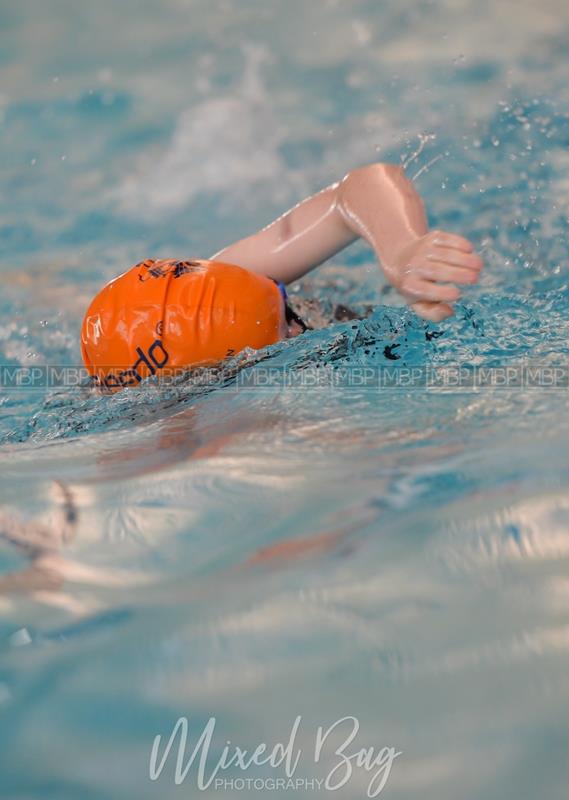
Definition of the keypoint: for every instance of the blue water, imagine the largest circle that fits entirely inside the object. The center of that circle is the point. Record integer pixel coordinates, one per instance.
(399, 555)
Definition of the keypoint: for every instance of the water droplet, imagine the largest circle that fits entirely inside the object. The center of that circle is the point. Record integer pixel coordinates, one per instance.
(20, 637)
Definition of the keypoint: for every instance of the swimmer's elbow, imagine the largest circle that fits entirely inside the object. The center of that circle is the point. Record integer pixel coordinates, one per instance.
(380, 170)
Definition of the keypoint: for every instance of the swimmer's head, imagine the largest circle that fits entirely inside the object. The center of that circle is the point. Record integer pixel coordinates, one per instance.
(170, 315)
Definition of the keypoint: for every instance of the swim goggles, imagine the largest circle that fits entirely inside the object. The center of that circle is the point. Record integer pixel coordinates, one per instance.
(290, 314)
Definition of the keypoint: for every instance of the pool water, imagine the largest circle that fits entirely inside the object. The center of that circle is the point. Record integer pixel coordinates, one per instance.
(295, 540)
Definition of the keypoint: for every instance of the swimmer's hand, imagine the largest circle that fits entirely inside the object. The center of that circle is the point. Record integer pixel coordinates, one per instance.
(428, 271)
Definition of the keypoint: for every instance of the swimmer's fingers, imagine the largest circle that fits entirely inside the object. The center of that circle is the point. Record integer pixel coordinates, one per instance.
(414, 289)
(442, 271)
(433, 312)
(431, 269)
(456, 258)
(452, 241)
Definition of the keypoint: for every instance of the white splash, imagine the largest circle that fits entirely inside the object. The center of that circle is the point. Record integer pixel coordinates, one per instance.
(219, 144)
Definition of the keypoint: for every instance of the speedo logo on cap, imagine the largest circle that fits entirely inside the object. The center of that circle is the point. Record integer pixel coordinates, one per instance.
(159, 269)
(154, 359)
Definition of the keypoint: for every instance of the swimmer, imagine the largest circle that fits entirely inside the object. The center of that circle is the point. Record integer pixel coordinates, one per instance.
(165, 315)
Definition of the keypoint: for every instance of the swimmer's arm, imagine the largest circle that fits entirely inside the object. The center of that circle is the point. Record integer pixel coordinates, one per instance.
(298, 241)
(379, 204)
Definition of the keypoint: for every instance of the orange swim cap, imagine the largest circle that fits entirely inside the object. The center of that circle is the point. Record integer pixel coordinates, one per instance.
(168, 314)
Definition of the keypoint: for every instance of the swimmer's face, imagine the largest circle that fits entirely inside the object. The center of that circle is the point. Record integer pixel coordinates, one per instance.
(294, 329)
(291, 324)
(288, 330)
